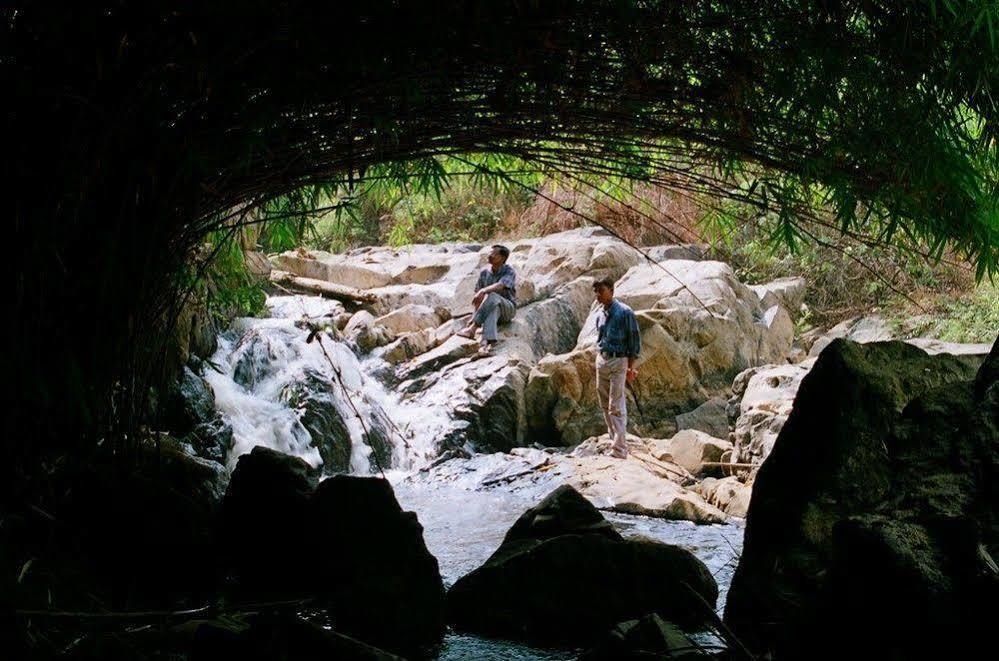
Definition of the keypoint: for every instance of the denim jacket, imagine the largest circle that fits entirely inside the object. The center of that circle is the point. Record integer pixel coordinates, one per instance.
(617, 330)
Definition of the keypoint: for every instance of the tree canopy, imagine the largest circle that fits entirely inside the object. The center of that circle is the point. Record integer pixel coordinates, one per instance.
(136, 128)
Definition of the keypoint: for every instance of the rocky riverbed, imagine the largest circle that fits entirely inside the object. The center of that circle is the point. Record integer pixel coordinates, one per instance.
(375, 381)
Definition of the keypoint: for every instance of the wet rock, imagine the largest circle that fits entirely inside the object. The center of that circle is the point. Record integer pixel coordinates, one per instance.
(711, 417)
(409, 346)
(189, 402)
(454, 349)
(264, 522)
(869, 517)
(365, 333)
(567, 589)
(211, 440)
(650, 637)
(375, 573)
(314, 398)
(259, 353)
(729, 494)
(205, 480)
(691, 448)
(495, 409)
(263, 637)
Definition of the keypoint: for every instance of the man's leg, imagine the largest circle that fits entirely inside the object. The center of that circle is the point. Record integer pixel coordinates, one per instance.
(487, 316)
(618, 411)
(507, 310)
(603, 392)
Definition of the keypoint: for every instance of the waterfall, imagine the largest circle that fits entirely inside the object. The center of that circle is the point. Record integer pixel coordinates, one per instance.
(315, 400)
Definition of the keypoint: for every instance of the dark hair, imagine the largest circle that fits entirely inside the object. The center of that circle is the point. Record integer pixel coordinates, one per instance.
(503, 251)
(607, 282)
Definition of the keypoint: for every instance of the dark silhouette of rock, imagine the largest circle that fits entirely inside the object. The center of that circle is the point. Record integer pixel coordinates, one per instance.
(875, 515)
(650, 637)
(562, 512)
(188, 402)
(563, 577)
(266, 637)
(373, 568)
(265, 526)
(143, 541)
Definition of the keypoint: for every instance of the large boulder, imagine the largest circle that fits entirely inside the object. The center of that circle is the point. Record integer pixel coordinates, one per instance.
(692, 449)
(561, 577)
(374, 570)
(875, 514)
(700, 327)
(264, 522)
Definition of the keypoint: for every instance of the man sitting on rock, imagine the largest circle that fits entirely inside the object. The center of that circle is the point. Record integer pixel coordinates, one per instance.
(618, 345)
(495, 299)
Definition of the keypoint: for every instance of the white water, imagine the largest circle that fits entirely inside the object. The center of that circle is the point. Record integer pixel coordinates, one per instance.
(259, 358)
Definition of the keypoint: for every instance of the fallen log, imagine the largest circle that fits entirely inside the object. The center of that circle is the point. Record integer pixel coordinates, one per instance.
(321, 288)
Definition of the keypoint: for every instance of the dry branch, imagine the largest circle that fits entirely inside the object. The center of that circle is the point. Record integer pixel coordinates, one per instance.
(322, 288)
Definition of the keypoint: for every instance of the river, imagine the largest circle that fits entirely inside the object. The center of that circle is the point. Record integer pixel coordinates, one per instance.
(259, 359)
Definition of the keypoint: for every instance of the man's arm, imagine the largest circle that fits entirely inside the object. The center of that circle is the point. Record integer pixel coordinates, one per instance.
(496, 286)
(634, 344)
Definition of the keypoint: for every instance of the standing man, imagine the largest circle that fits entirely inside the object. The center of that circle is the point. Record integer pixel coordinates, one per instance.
(495, 299)
(618, 345)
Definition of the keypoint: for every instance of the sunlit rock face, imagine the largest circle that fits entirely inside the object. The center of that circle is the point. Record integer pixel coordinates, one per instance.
(700, 327)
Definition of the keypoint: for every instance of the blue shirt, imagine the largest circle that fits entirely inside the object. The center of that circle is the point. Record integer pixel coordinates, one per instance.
(617, 330)
(506, 275)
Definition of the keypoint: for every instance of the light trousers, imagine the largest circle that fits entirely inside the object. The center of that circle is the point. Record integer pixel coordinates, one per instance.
(611, 393)
(494, 310)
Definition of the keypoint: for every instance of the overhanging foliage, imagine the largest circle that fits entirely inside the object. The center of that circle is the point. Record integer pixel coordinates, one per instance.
(136, 129)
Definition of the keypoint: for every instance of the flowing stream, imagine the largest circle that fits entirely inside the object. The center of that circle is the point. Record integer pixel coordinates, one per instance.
(262, 366)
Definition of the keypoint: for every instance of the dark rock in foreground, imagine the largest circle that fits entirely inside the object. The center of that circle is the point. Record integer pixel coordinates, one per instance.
(274, 637)
(564, 576)
(650, 637)
(373, 568)
(265, 526)
(872, 524)
(346, 542)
